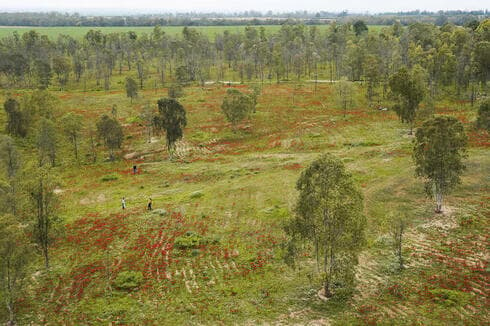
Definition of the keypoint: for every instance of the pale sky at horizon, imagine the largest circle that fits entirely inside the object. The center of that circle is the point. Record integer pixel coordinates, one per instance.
(357, 6)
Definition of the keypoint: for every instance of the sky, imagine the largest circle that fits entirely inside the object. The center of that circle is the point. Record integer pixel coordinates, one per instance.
(139, 6)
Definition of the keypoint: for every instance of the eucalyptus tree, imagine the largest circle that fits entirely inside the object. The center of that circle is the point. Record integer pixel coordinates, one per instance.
(44, 202)
(328, 215)
(47, 142)
(72, 125)
(10, 164)
(111, 132)
(237, 106)
(16, 253)
(439, 150)
(17, 120)
(483, 119)
(345, 92)
(62, 68)
(131, 88)
(171, 118)
(408, 92)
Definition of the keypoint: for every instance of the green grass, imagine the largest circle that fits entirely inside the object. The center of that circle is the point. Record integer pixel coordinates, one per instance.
(79, 32)
(234, 191)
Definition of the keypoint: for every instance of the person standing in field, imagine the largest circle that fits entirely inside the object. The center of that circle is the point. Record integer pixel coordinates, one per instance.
(123, 203)
(135, 169)
(149, 204)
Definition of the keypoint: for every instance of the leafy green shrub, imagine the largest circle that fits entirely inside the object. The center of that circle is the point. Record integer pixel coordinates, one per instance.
(450, 298)
(196, 194)
(192, 240)
(110, 177)
(128, 280)
(135, 119)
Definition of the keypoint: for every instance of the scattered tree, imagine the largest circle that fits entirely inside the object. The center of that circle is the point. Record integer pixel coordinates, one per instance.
(72, 125)
(408, 93)
(111, 132)
(483, 120)
(345, 91)
(329, 215)
(17, 122)
(148, 117)
(236, 106)
(44, 201)
(172, 119)
(62, 68)
(131, 88)
(47, 142)
(359, 27)
(10, 162)
(439, 150)
(15, 254)
(398, 227)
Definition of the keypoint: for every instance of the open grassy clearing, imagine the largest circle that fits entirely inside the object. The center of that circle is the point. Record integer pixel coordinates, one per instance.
(235, 191)
(79, 32)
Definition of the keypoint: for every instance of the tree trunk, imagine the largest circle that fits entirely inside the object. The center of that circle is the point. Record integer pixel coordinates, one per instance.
(438, 202)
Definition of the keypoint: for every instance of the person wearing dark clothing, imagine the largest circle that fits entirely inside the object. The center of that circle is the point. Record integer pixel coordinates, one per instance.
(135, 169)
(149, 205)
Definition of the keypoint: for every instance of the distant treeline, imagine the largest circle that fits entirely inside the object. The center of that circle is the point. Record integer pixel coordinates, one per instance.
(449, 57)
(439, 18)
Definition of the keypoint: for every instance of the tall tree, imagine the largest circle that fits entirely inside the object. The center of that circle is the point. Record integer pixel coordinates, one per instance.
(10, 162)
(62, 68)
(17, 122)
(345, 92)
(44, 201)
(72, 125)
(359, 27)
(15, 254)
(47, 142)
(483, 120)
(172, 119)
(111, 132)
(43, 72)
(131, 88)
(237, 106)
(329, 215)
(439, 150)
(408, 93)
(148, 118)
(398, 228)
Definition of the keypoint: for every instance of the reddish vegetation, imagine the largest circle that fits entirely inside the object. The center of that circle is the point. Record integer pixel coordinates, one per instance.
(479, 138)
(108, 246)
(294, 166)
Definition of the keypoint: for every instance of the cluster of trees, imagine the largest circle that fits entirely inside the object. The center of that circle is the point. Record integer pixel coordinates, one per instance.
(443, 57)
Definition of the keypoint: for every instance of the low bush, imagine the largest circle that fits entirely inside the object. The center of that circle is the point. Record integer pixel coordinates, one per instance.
(109, 177)
(128, 280)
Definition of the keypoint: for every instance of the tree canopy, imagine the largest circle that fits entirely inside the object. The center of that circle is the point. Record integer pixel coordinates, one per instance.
(111, 132)
(408, 92)
(439, 151)
(329, 215)
(172, 119)
(237, 106)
